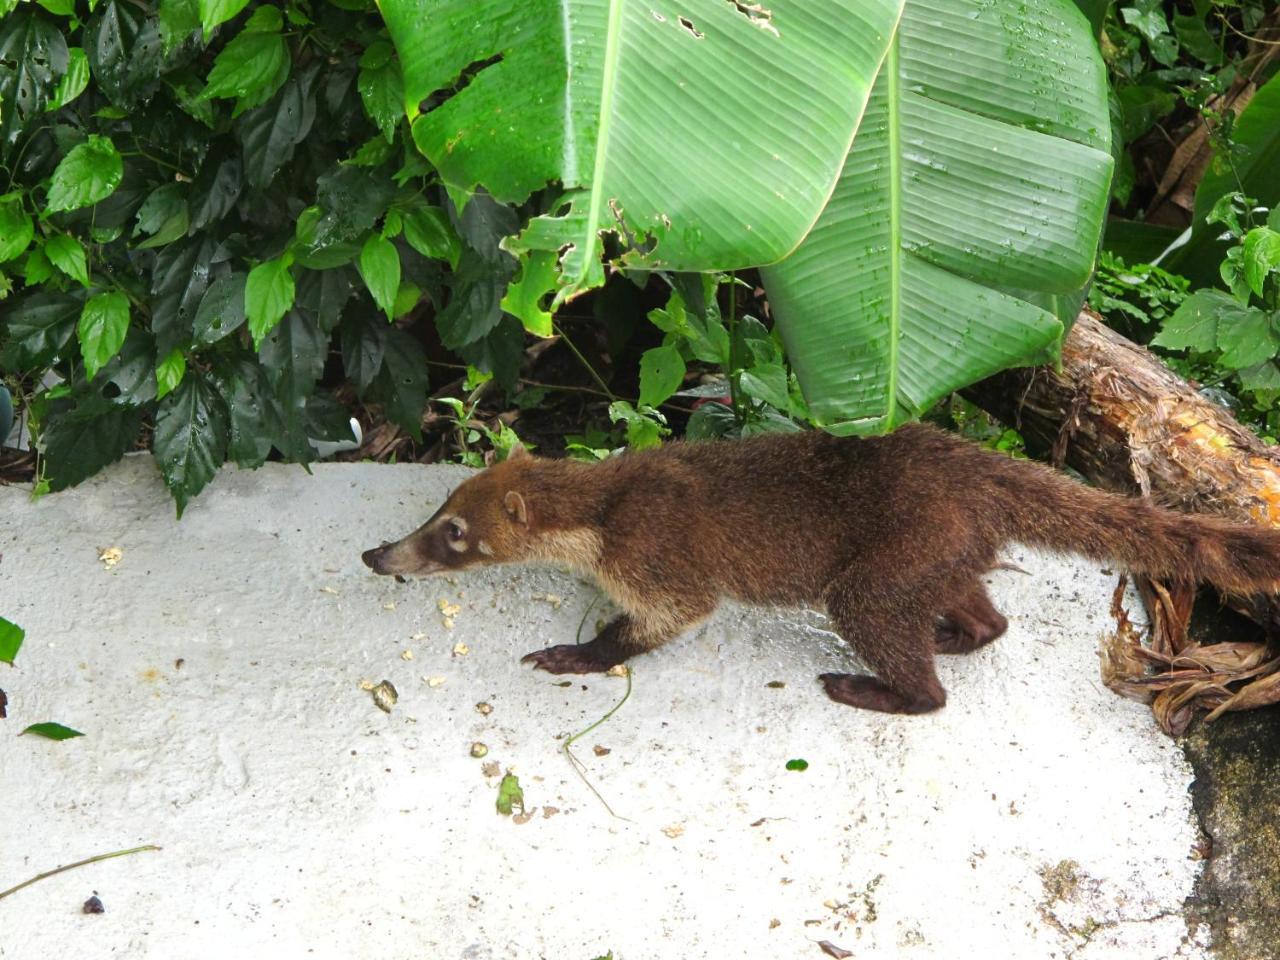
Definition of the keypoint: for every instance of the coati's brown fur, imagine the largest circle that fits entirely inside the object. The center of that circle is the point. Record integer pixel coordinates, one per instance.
(889, 535)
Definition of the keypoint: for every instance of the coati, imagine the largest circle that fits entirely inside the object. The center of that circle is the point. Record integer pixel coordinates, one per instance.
(890, 535)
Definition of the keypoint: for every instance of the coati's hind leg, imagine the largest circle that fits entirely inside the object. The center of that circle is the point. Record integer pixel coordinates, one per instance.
(892, 632)
(623, 637)
(970, 623)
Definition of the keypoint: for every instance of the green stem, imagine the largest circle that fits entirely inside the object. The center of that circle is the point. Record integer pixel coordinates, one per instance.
(79, 863)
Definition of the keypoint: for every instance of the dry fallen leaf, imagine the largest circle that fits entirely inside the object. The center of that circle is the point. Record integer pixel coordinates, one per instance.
(385, 696)
(333, 590)
(110, 556)
(460, 649)
(673, 831)
(831, 950)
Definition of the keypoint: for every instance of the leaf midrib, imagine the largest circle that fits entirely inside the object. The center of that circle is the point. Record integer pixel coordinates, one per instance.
(895, 229)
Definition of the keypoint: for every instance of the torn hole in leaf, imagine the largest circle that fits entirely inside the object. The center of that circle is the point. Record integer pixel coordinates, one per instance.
(756, 14)
(465, 78)
(623, 240)
(657, 16)
(687, 24)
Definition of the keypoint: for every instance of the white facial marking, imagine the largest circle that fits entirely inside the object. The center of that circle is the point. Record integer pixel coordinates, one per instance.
(485, 548)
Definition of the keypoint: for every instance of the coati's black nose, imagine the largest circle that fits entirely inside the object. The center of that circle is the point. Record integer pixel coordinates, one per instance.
(373, 558)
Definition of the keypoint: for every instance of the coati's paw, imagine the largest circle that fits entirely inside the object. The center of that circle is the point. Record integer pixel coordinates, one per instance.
(871, 694)
(575, 658)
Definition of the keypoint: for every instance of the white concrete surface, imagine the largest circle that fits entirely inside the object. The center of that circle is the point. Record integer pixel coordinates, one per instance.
(299, 821)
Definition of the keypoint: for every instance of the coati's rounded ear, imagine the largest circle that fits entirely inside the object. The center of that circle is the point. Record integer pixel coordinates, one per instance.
(516, 508)
(518, 451)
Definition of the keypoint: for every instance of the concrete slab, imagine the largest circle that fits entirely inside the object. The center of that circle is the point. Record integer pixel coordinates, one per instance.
(1037, 816)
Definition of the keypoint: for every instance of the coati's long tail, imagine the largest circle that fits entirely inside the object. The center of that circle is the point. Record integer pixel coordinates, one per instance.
(1046, 508)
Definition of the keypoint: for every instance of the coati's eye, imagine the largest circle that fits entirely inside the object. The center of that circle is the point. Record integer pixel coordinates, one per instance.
(456, 532)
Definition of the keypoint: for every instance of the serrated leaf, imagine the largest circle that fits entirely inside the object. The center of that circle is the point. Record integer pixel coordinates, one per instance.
(164, 215)
(11, 637)
(67, 254)
(402, 382)
(1246, 338)
(524, 297)
(767, 382)
(170, 372)
(1261, 255)
(247, 66)
(221, 309)
(382, 89)
(34, 52)
(73, 82)
(80, 441)
(1260, 377)
(126, 53)
(215, 192)
(16, 228)
(132, 371)
(352, 200)
(661, 374)
(380, 270)
(429, 231)
(269, 134)
(268, 295)
(178, 282)
(190, 440)
(38, 327)
(86, 175)
(364, 341)
(52, 731)
(104, 322)
(255, 412)
(293, 354)
(1194, 325)
(214, 12)
(179, 19)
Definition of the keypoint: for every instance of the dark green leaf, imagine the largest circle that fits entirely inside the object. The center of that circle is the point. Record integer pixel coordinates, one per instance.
(215, 192)
(38, 328)
(798, 764)
(661, 374)
(380, 270)
(352, 200)
(33, 59)
(190, 440)
(711, 421)
(364, 340)
(85, 438)
(131, 374)
(499, 352)
(429, 231)
(163, 215)
(16, 229)
(474, 306)
(1262, 376)
(52, 731)
(269, 133)
(104, 322)
(11, 637)
(125, 51)
(86, 175)
(382, 89)
(178, 282)
(402, 382)
(294, 353)
(324, 293)
(221, 310)
(255, 412)
(268, 294)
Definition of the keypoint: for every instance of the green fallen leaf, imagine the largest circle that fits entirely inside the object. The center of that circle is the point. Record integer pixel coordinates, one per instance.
(797, 764)
(11, 637)
(510, 795)
(53, 731)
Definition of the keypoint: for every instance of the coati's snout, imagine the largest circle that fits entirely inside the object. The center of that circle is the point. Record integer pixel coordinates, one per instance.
(482, 522)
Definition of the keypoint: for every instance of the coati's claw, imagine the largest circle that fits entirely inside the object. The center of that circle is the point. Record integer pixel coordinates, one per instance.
(574, 658)
(871, 694)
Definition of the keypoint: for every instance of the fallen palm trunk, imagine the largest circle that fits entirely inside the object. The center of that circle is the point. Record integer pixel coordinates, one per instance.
(1126, 422)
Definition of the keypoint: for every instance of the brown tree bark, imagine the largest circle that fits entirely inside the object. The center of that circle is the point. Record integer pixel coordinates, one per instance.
(1125, 421)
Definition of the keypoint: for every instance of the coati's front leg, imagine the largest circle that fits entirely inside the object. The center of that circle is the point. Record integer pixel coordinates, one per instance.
(624, 636)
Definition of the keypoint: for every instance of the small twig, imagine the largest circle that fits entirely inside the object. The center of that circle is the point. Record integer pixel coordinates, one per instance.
(79, 863)
(578, 766)
(583, 360)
